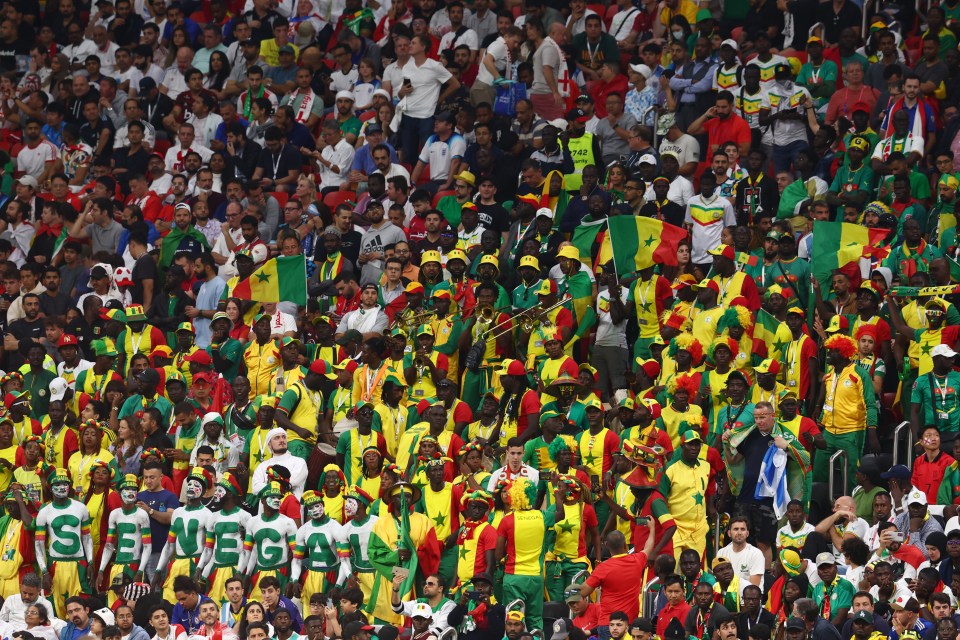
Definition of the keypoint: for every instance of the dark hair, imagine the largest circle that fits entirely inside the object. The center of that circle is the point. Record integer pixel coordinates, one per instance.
(352, 595)
(620, 615)
(186, 584)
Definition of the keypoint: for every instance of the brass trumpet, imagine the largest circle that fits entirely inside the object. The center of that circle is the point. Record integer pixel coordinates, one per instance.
(410, 321)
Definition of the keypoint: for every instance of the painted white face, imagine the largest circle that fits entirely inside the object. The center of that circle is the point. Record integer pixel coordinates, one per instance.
(350, 507)
(315, 511)
(129, 496)
(273, 502)
(194, 489)
(219, 494)
(60, 490)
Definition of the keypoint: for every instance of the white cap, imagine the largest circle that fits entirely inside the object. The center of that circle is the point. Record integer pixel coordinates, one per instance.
(422, 610)
(943, 350)
(729, 42)
(643, 70)
(259, 253)
(28, 181)
(106, 616)
(344, 94)
(58, 389)
(647, 158)
(917, 497)
(382, 92)
(559, 123)
(545, 211)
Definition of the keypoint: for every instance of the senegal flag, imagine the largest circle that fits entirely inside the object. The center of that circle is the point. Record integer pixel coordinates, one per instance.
(638, 243)
(837, 244)
(585, 240)
(775, 335)
(282, 279)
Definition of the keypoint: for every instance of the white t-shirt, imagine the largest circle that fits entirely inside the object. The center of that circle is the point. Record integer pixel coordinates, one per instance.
(175, 83)
(206, 128)
(34, 161)
(426, 80)
(394, 74)
(497, 49)
(608, 333)
(340, 156)
(686, 147)
(451, 41)
(340, 81)
(747, 562)
(77, 53)
(173, 160)
(282, 323)
(439, 154)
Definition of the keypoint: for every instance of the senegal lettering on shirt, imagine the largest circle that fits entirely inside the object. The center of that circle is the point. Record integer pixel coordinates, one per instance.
(749, 105)
(525, 532)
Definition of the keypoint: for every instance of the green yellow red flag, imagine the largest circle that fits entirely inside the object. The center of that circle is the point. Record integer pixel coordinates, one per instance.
(281, 279)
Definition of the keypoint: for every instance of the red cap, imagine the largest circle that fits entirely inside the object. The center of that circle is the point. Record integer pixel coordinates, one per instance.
(724, 250)
(320, 367)
(204, 376)
(68, 340)
(200, 357)
(860, 106)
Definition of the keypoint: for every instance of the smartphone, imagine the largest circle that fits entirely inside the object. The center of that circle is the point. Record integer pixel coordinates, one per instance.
(403, 572)
(473, 595)
(406, 81)
(897, 537)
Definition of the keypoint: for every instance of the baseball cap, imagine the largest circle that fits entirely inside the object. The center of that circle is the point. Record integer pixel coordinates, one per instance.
(149, 376)
(642, 69)
(421, 610)
(583, 97)
(943, 350)
(862, 616)
(729, 42)
(897, 471)
(58, 389)
(286, 49)
(825, 558)
(147, 84)
(917, 497)
(561, 629)
(577, 115)
(28, 181)
(647, 158)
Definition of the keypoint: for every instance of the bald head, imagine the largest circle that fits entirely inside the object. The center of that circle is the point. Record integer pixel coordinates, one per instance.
(616, 543)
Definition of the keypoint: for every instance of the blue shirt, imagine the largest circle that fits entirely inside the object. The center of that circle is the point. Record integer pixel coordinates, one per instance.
(55, 136)
(363, 159)
(295, 618)
(189, 619)
(162, 501)
(207, 300)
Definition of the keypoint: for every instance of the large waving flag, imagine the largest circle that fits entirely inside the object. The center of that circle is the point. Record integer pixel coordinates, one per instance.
(585, 237)
(837, 244)
(282, 279)
(947, 233)
(638, 243)
(773, 335)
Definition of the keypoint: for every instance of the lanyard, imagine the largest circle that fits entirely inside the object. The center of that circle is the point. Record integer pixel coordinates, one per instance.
(941, 391)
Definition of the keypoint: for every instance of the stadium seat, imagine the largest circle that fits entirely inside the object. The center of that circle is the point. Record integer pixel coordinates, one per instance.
(281, 197)
(335, 198)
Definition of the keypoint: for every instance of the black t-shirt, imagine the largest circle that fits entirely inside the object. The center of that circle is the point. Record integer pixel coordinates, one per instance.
(671, 212)
(143, 269)
(278, 166)
(494, 217)
(24, 331)
(20, 47)
(134, 164)
(55, 305)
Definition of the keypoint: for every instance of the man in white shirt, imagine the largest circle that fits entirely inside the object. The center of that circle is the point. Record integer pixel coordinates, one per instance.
(277, 443)
(203, 119)
(174, 82)
(369, 319)
(843, 523)
(419, 96)
(442, 152)
(282, 324)
(459, 33)
(747, 560)
(15, 606)
(37, 156)
(514, 467)
(186, 142)
(78, 48)
(336, 158)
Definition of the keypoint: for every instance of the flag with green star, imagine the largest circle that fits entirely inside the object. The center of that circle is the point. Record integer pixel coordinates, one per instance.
(282, 279)
(837, 244)
(638, 243)
(771, 334)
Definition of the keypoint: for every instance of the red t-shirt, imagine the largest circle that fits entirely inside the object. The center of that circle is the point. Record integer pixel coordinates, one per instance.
(670, 612)
(618, 577)
(733, 129)
(927, 475)
(588, 620)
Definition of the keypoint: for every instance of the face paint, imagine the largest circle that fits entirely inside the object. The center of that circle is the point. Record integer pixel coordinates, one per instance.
(129, 496)
(60, 490)
(273, 502)
(219, 493)
(194, 489)
(315, 511)
(350, 507)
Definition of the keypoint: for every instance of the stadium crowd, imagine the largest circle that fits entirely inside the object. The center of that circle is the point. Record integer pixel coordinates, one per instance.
(436, 319)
